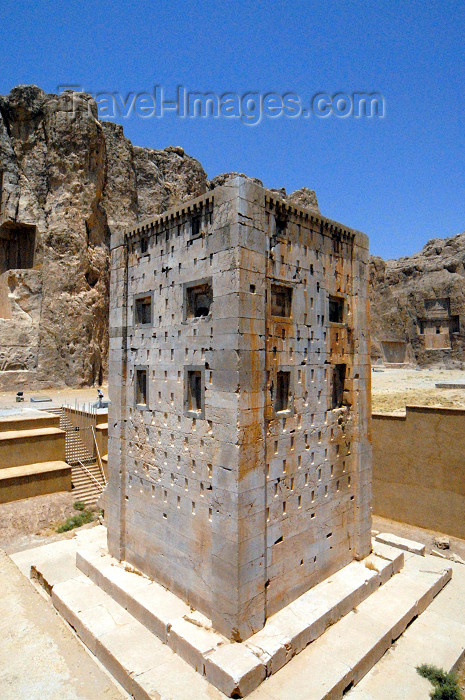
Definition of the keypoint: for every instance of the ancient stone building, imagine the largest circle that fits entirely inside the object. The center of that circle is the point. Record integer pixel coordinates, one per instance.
(239, 456)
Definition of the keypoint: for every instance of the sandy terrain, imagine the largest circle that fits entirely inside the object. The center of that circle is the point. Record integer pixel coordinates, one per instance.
(58, 396)
(393, 389)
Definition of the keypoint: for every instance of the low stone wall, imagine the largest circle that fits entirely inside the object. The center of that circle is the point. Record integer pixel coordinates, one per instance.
(419, 468)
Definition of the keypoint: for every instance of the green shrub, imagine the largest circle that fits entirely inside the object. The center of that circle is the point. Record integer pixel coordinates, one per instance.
(81, 518)
(445, 684)
(79, 505)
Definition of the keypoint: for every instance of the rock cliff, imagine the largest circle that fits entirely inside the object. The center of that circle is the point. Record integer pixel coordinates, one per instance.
(417, 305)
(66, 181)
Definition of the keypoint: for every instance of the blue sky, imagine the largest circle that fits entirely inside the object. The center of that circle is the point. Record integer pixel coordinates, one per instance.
(399, 179)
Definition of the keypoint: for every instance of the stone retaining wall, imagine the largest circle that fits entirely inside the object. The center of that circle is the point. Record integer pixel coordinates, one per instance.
(419, 468)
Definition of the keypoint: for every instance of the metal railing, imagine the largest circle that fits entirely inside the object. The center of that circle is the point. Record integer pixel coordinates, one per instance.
(91, 476)
(79, 426)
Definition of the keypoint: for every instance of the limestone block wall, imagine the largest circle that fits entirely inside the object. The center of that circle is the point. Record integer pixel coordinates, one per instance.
(419, 468)
(239, 454)
(317, 458)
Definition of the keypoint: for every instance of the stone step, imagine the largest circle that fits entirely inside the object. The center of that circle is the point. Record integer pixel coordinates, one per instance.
(83, 492)
(341, 657)
(57, 560)
(90, 467)
(87, 482)
(326, 668)
(77, 468)
(18, 422)
(145, 666)
(88, 493)
(285, 634)
(437, 637)
(86, 487)
(30, 433)
(401, 543)
(34, 480)
(21, 447)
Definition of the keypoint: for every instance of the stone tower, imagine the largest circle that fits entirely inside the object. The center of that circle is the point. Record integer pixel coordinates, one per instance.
(239, 456)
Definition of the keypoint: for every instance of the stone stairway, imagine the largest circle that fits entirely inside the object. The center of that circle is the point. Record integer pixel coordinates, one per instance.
(321, 645)
(88, 483)
(86, 475)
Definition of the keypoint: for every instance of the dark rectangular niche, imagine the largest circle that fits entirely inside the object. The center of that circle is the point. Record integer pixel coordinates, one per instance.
(198, 297)
(17, 246)
(283, 385)
(141, 387)
(143, 310)
(336, 310)
(281, 300)
(338, 383)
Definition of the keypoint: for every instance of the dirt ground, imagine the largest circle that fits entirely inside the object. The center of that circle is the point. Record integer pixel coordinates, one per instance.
(33, 521)
(419, 534)
(393, 389)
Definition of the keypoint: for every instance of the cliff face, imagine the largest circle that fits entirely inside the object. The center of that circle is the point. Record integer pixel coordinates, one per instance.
(417, 305)
(66, 181)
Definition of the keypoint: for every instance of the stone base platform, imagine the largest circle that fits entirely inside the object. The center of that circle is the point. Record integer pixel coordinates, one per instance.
(234, 668)
(320, 646)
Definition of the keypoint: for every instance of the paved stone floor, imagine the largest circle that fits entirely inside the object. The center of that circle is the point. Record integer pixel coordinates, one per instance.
(40, 657)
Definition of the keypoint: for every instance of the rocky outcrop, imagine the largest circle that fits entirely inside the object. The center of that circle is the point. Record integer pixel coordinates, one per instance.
(66, 181)
(304, 198)
(165, 178)
(417, 305)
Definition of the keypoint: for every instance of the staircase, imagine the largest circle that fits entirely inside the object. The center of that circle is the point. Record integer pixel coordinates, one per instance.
(88, 483)
(86, 475)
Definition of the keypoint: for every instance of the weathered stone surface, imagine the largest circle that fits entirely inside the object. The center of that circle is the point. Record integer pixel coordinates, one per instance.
(417, 305)
(402, 543)
(442, 542)
(66, 182)
(303, 197)
(223, 178)
(240, 467)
